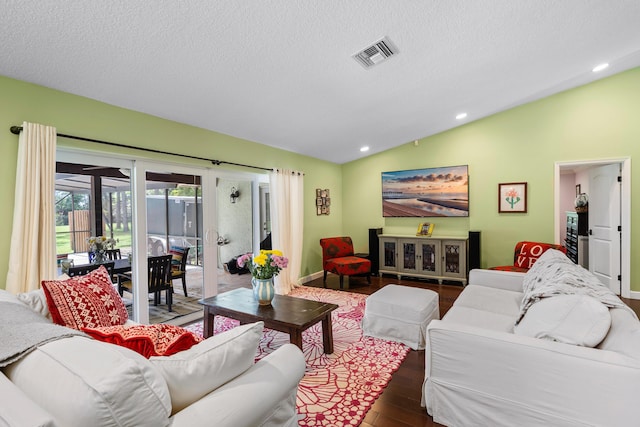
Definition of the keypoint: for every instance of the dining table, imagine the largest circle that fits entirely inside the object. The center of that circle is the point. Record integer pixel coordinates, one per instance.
(120, 266)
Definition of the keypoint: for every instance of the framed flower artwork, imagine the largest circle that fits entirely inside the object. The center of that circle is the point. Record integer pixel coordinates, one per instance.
(512, 197)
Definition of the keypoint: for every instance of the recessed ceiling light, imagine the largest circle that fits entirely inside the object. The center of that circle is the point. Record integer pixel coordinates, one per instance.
(600, 67)
(365, 148)
(461, 116)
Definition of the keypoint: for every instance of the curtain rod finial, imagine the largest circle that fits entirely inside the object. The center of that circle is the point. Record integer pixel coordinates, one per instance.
(15, 130)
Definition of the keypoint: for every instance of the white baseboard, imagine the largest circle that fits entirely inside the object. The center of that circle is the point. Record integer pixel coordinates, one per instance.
(634, 295)
(312, 276)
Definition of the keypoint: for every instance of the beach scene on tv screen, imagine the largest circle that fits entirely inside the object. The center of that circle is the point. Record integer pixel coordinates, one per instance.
(426, 192)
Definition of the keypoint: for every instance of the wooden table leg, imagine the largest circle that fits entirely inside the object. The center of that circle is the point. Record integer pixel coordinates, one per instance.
(209, 319)
(327, 334)
(295, 337)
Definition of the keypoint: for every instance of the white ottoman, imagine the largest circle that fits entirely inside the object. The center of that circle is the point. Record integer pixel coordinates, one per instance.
(400, 313)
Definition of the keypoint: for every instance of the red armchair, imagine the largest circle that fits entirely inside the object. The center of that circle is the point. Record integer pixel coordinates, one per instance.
(526, 254)
(338, 258)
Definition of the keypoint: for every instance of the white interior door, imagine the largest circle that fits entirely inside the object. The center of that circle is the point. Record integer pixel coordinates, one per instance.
(604, 223)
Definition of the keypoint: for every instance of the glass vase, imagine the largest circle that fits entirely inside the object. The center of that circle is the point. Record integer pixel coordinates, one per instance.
(263, 290)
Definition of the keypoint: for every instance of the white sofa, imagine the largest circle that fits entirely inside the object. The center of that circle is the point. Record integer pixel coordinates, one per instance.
(480, 373)
(78, 381)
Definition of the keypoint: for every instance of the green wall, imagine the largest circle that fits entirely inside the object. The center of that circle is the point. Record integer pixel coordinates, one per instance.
(596, 121)
(80, 116)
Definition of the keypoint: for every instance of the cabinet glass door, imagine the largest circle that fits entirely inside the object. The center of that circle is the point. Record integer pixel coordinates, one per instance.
(429, 257)
(389, 254)
(408, 256)
(452, 258)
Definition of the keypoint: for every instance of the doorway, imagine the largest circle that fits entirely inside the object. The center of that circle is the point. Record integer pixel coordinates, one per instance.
(243, 224)
(569, 177)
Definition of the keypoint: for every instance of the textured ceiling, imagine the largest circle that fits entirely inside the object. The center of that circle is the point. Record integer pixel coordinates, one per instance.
(280, 72)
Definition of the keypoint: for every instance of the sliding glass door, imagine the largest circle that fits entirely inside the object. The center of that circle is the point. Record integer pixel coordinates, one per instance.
(175, 229)
(150, 209)
(175, 204)
(201, 216)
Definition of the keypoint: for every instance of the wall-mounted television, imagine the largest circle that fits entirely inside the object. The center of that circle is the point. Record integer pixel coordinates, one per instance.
(432, 192)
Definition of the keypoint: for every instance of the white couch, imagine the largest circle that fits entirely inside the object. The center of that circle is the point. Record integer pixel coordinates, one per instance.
(78, 381)
(480, 373)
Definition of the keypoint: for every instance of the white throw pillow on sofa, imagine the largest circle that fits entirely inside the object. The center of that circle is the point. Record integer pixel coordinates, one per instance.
(195, 372)
(570, 319)
(36, 302)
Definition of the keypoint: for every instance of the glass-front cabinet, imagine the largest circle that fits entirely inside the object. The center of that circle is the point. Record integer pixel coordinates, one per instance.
(388, 254)
(420, 257)
(455, 258)
(441, 258)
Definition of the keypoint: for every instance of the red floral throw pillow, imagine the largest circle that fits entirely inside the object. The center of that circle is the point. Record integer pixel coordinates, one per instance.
(148, 340)
(85, 301)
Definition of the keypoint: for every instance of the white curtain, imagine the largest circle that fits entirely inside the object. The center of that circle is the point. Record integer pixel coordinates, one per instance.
(32, 256)
(287, 216)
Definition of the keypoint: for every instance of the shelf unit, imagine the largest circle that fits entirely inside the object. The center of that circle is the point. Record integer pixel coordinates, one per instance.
(440, 258)
(577, 240)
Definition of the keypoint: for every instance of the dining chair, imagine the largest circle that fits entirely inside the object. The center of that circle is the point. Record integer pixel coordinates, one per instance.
(113, 254)
(179, 266)
(158, 268)
(81, 270)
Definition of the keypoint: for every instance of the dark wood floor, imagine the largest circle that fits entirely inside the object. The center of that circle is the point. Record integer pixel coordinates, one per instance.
(399, 404)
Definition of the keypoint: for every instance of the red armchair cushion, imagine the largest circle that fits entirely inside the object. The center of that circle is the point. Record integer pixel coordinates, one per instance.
(510, 268)
(348, 266)
(336, 247)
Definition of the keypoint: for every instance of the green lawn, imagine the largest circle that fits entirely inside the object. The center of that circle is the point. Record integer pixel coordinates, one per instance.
(63, 239)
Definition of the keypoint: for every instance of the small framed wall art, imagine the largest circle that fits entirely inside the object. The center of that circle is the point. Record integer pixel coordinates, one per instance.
(323, 201)
(425, 229)
(512, 197)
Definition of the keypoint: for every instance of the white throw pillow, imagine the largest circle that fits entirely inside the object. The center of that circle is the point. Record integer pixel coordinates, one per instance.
(84, 382)
(36, 302)
(570, 319)
(193, 373)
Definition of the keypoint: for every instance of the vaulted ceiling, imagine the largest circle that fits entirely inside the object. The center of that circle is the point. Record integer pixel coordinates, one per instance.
(281, 72)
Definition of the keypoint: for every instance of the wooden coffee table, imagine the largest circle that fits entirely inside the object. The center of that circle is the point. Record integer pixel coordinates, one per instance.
(285, 314)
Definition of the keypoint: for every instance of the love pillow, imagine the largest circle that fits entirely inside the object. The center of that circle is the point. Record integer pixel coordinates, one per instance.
(529, 253)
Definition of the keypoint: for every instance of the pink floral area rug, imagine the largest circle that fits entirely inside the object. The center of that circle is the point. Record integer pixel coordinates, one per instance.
(337, 389)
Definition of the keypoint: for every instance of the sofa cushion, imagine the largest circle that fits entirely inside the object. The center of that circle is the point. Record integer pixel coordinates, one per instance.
(85, 301)
(206, 366)
(480, 318)
(490, 299)
(16, 409)
(83, 382)
(624, 333)
(570, 319)
(148, 340)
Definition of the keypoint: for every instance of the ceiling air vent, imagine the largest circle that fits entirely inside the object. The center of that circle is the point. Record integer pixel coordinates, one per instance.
(376, 53)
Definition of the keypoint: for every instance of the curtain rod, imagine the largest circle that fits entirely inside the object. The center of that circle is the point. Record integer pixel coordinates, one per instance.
(17, 129)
